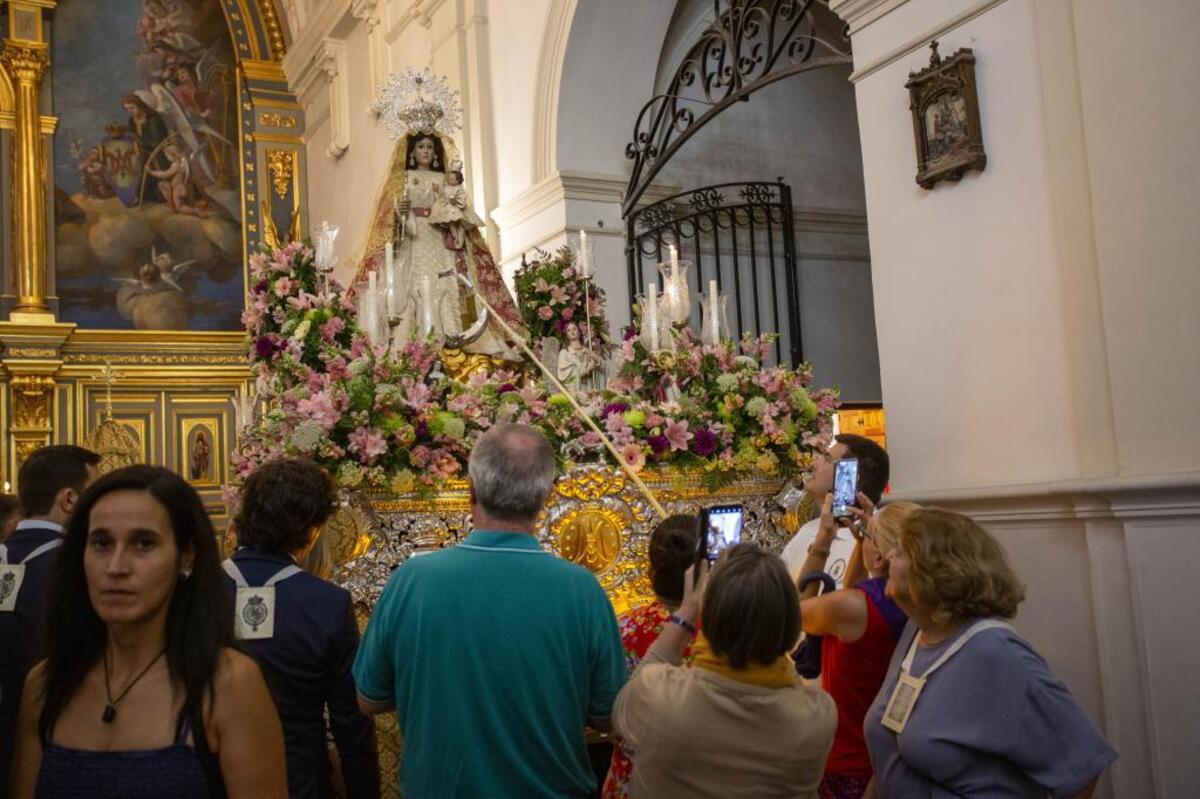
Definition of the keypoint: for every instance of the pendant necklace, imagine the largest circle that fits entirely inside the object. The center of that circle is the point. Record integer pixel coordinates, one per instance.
(110, 709)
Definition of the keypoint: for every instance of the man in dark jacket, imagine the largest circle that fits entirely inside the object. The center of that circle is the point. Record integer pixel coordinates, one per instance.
(48, 484)
(300, 629)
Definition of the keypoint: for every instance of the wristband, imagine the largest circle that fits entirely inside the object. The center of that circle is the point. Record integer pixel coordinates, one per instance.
(684, 623)
(818, 552)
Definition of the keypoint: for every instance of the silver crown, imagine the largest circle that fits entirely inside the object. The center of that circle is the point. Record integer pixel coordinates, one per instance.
(416, 100)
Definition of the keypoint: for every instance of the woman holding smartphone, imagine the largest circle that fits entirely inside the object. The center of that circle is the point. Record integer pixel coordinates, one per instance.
(859, 626)
(738, 722)
(141, 693)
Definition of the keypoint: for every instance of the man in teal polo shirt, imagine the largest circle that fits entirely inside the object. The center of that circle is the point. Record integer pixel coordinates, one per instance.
(495, 653)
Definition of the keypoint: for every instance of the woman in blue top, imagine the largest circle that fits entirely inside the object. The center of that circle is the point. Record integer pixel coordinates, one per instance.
(968, 708)
(140, 693)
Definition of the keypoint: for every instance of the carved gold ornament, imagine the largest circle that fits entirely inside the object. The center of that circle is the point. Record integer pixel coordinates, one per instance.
(270, 21)
(33, 397)
(282, 165)
(26, 61)
(274, 120)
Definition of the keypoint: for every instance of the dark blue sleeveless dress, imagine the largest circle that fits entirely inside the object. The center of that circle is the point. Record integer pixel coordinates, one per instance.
(178, 771)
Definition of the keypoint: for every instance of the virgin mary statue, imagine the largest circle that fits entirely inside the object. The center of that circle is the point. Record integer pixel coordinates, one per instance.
(423, 210)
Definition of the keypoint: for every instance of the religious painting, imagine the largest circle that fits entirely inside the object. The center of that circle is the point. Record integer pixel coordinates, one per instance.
(198, 452)
(945, 109)
(147, 198)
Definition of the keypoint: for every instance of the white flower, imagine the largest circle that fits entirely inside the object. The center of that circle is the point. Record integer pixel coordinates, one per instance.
(302, 330)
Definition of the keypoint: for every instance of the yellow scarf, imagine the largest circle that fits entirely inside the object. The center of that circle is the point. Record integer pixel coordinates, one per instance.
(780, 674)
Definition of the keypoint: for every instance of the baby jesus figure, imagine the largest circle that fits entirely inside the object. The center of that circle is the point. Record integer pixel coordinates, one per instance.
(450, 210)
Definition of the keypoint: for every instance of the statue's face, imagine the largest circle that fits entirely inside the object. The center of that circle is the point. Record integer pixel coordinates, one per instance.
(423, 153)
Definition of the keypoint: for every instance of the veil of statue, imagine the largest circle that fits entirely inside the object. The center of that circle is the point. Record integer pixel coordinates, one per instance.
(424, 211)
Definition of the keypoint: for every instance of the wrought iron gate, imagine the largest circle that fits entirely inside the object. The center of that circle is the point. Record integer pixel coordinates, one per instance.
(739, 234)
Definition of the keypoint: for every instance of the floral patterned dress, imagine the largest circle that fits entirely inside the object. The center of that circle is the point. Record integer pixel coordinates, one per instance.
(639, 628)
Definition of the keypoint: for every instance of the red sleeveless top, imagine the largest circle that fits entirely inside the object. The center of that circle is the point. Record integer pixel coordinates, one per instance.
(852, 675)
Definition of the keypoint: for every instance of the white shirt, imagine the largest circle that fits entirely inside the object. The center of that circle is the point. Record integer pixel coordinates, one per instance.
(796, 551)
(39, 524)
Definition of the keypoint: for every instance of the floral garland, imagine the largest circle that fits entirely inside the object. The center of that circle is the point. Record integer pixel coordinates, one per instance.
(388, 421)
(553, 296)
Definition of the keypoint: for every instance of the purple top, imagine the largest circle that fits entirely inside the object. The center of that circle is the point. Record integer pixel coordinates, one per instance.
(991, 721)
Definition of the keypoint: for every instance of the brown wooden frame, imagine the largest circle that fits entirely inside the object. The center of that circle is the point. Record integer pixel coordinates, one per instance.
(946, 87)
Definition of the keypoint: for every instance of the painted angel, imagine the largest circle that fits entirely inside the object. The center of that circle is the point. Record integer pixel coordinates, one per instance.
(152, 302)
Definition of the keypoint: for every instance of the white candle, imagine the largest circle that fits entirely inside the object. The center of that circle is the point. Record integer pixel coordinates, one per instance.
(390, 268)
(427, 319)
(652, 314)
(714, 324)
(674, 262)
(585, 263)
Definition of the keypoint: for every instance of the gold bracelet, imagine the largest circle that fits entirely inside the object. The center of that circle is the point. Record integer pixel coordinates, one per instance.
(818, 552)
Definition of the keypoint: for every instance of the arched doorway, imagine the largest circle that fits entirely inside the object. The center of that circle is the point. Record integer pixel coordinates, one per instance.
(803, 128)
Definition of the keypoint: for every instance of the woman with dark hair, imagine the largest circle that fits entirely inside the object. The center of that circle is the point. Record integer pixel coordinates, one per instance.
(967, 707)
(140, 693)
(300, 629)
(671, 551)
(738, 722)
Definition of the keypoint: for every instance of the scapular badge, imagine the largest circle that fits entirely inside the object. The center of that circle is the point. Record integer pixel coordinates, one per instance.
(11, 577)
(255, 613)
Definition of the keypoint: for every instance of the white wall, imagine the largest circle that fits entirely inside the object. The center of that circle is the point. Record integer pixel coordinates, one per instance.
(1037, 334)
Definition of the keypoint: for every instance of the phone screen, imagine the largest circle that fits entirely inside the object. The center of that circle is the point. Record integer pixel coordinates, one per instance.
(724, 528)
(845, 486)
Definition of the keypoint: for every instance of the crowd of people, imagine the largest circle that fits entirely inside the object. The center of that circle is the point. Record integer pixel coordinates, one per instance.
(135, 662)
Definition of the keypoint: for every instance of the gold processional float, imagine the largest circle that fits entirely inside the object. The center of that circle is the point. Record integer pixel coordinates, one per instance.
(386, 383)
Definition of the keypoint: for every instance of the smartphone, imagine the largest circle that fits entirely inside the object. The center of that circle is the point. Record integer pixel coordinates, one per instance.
(720, 528)
(845, 487)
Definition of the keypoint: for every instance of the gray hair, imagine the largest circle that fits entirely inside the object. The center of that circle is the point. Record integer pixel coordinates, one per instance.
(512, 470)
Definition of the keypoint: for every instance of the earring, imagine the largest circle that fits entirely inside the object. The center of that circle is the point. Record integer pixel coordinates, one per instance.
(185, 572)
(412, 162)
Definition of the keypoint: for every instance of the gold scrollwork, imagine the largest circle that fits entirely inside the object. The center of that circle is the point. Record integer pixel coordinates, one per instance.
(275, 120)
(148, 359)
(32, 352)
(589, 485)
(282, 164)
(32, 398)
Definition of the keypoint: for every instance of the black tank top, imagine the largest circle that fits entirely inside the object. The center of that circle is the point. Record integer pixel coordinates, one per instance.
(177, 771)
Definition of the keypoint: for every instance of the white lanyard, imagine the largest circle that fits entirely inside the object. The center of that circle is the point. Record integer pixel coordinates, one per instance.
(904, 696)
(254, 608)
(42, 550)
(13, 575)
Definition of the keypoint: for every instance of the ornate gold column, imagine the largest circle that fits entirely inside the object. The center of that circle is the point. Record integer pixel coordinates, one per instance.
(26, 56)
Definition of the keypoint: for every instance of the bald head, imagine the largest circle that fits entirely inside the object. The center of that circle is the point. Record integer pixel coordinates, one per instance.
(512, 470)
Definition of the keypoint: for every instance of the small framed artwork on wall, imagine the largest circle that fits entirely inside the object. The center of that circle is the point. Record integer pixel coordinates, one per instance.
(945, 112)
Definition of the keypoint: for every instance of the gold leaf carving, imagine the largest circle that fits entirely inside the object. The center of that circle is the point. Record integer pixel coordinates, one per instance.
(32, 398)
(282, 164)
(270, 21)
(202, 359)
(26, 62)
(277, 120)
(32, 352)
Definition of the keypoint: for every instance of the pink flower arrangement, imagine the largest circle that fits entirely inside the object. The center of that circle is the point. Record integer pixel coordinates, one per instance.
(377, 419)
